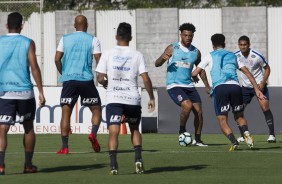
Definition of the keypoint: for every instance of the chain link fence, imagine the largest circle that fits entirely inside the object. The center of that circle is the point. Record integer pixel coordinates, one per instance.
(26, 8)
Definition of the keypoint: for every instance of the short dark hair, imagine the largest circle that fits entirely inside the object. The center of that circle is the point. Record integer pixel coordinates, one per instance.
(218, 40)
(124, 31)
(244, 38)
(14, 20)
(187, 27)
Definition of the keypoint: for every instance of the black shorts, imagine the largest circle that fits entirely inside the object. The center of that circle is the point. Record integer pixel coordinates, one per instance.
(85, 89)
(180, 94)
(249, 93)
(114, 112)
(226, 96)
(9, 108)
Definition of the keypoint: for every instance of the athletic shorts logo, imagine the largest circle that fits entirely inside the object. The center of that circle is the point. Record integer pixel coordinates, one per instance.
(21, 119)
(66, 100)
(5, 118)
(115, 119)
(238, 108)
(179, 98)
(90, 100)
(225, 108)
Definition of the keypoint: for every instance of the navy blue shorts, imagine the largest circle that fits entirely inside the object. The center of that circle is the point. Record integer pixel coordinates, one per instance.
(114, 112)
(180, 94)
(249, 93)
(85, 89)
(9, 108)
(226, 96)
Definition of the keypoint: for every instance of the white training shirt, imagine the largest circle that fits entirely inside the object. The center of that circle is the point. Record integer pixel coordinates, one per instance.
(96, 46)
(122, 65)
(255, 63)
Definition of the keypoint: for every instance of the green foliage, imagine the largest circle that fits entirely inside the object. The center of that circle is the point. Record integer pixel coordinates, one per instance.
(26, 9)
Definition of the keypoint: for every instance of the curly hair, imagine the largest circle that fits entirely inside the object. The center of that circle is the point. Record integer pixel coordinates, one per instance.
(187, 27)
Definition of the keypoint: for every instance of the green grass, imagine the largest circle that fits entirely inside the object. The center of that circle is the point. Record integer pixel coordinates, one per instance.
(165, 161)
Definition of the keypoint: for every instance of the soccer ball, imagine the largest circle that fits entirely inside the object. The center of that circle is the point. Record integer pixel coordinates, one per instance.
(185, 139)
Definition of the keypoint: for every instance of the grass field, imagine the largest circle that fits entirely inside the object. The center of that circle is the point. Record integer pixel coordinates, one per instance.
(165, 161)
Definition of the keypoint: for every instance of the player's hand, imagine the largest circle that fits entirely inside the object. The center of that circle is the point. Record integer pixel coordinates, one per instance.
(260, 96)
(261, 85)
(195, 79)
(208, 91)
(42, 100)
(105, 84)
(167, 54)
(151, 105)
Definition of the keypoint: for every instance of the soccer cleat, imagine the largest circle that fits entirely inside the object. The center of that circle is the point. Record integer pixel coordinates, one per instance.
(63, 151)
(30, 169)
(200, 143)
(139, 167)
(2, 169)
(95, 144)
(114, 172)
(248, 139)
(233, 147)
(241, 139)
(271, 139)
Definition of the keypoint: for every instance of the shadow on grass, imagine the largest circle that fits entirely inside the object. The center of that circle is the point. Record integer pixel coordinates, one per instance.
(175, 168)
(268, 148)
(73, 168)
(217, 144)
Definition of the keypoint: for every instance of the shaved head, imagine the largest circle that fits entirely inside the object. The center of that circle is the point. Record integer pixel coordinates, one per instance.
(80, 23)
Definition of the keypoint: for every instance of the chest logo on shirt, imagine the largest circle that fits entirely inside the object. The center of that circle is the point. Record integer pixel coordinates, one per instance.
(121, 59)
(184, 58)
(182, 64)
(253, 56)
(121, 68)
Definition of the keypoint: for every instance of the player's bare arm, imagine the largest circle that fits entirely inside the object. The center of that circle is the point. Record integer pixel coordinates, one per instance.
(97, 57)
(58, 58)
(35, 71)
(265, 77)
(259, 94)
(165, 56)
(148, 86)
(203, 74)
(102, 79)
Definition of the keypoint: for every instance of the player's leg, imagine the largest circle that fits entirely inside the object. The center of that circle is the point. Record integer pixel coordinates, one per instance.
(247, 94)
(90, 97)
(7, 118)
(96, 119)
(113, 115)
(133, 116)
(237, 104)
(26, 110)
(264, 105)
(198, 124)
(69, 97)
(4, 128)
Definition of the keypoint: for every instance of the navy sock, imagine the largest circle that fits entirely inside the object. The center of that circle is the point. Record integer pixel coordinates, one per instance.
(198, 137)
(232, 139)
(241, 131)
(245, 128)
(269, 121)
(113, 159)
(138, 150)
(28, 158)
(65, 141)
(2, 157)
(182, 129)
(94, 129)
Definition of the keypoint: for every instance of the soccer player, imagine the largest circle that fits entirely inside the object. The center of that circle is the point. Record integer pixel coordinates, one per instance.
(226, 89)
(119, 69)
(73, 60)
(258, 66)
(17, 59)
(182, 56)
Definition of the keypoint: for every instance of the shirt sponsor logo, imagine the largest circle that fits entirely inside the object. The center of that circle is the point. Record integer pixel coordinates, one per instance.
(10, 83)
(182, 64)
(121, 89)
(120, 79)
(121, 68)
(126, 97)
(225, 108)
(66, 100)
(121, 59)
(90, 100)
